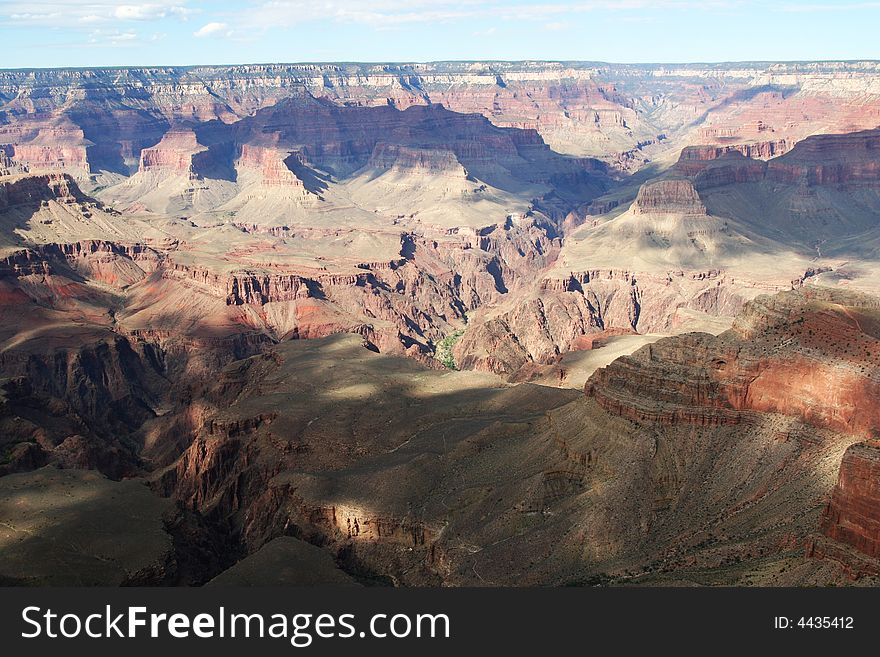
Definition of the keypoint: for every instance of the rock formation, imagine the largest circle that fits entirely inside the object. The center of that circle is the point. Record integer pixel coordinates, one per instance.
(851, 516)
(807, 358)
(250, 288)
(174, 153)
(668, 197)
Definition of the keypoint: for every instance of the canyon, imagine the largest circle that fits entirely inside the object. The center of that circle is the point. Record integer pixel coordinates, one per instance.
(493, 323)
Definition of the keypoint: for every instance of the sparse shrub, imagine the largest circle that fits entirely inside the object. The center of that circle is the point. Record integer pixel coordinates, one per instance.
(443, 352)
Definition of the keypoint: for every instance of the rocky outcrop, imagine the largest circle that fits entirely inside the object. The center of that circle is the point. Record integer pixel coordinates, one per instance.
(270, 166)
(107, 262)
(852, 517)
(672, 196)
(848, 159)
(729, 169)
(23, 263)
(9, 166)
(599, 339)
(571, 308)
(601, 207)
(31, 190)
(840, 160)
(669, 382)
(261, 289)
(793, 354)
(811, 355)
(762, 150)
(99, 395)
(405, 159)
(46, 147)
(173, 154)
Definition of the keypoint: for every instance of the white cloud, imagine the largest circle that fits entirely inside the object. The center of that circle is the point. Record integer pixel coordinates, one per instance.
(122, 37)
(212, 29)
(140, 12)
(71, 13)
(101, 37)
(267, 14)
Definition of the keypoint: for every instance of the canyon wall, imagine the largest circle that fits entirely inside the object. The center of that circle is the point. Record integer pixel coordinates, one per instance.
(623, 113)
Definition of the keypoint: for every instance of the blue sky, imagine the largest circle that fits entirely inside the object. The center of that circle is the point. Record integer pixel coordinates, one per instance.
(184, 32)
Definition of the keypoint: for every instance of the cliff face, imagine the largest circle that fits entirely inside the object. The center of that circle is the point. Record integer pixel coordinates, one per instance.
(831, 160)
(850, 159)
(402, 159)
(9, 166)
(79, 407)
(798, 354)
(55, 147)
(852, 516)
(343, 139)
(668, 197)
(174, 153)
(622, 113)
(270, 166)
(562, 101)
(809, 355)
(762, 150)
(31, 190)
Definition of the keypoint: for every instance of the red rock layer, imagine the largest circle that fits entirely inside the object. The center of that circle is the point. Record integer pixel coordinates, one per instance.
(596, 340)
(762, 150)
(852, 516)
(847, 159)
(270, 165)
(52, 147)
(794, 354)
(173, 153)
(852, 158)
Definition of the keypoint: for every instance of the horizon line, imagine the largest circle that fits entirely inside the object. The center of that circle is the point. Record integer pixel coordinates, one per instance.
(441, 61)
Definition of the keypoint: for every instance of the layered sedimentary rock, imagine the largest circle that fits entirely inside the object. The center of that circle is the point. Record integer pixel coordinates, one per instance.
(402, 159)
(623, 113)
(270, 166)
(34, 189)
(8, 166)
(174, 153)
(729, 168)
(849, 159)
(801, 353)
(718, 504)
(192, 339)
(762, 150)
(852, 516)
(811, 355)
(52, 147)
(668, 197)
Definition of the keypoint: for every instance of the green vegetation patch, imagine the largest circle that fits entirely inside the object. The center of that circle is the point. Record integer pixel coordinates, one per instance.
(443, 352)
